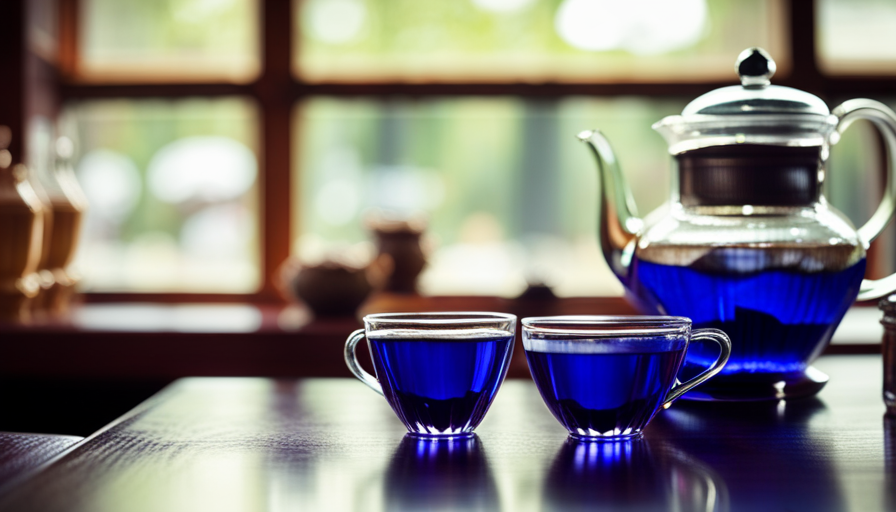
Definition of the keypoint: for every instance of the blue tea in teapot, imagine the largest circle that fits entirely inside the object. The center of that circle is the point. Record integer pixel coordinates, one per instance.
(776, 318)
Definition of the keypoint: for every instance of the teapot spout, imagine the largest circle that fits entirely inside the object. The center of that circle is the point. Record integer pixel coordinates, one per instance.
(619, 222)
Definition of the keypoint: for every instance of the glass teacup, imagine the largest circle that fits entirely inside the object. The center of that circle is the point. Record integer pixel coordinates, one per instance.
(605, 377)
(438, 371)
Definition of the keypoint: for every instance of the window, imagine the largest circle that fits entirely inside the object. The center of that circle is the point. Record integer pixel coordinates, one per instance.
(465, 111)
(857, 37)
(185, 40)
(509, 192)
(531, 40)
(173, 194)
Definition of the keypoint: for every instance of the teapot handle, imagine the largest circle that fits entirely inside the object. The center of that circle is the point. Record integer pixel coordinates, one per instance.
(885, 121)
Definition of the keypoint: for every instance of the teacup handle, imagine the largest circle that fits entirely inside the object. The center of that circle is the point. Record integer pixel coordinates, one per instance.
(724, 344)
(351, 360)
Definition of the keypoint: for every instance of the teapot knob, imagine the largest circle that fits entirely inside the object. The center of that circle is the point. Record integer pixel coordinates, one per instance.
(755, 68)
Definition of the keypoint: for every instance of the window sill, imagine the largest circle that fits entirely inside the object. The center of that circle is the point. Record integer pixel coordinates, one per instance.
(168, 341)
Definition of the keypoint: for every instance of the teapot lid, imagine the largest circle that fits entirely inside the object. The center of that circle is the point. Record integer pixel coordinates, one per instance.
(753, 112)
(755, 94)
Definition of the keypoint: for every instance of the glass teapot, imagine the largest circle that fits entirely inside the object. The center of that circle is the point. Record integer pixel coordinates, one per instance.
(747, 242)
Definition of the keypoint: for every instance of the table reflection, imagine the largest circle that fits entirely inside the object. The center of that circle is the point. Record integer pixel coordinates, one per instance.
(429, 474)
(630, 475)
(695, 416)
(784, 438)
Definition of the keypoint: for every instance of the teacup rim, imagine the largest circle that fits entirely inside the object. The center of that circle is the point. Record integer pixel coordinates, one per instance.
(440, 317)
(606, 324)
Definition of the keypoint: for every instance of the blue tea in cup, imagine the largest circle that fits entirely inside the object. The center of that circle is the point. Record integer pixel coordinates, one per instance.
(605, 377)
(438, 371)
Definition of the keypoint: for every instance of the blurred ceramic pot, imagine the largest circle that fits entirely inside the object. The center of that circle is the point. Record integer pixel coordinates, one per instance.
(328, 289)
(398, 240)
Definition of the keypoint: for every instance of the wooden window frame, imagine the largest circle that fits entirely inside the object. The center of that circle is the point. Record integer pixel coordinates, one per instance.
(277, 90)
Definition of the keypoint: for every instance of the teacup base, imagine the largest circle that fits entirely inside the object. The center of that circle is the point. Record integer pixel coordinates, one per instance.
(723, 388)
(441, 437)
(605, 439)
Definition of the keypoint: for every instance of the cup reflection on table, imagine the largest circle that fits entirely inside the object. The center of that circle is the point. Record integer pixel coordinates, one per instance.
(440, 474)
(631, 474)
(772, 455)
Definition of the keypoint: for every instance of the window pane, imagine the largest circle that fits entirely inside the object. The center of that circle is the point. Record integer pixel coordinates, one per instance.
(170, 40)
(42, 28)
(534, 40)
(173, 195)
(509, 192)
(856, 36)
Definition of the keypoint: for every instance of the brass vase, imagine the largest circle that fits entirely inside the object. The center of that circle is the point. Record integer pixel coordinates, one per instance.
(21, 236)
(66, 203)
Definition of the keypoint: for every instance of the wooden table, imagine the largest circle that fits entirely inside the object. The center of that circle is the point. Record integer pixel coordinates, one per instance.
(21, 453)
(332, 444)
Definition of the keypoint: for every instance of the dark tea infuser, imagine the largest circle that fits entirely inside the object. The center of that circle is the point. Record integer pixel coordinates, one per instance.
(747, 242)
